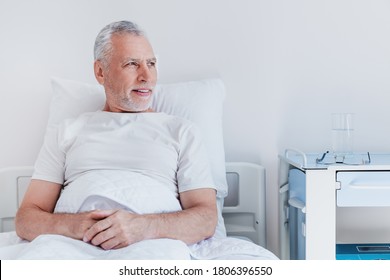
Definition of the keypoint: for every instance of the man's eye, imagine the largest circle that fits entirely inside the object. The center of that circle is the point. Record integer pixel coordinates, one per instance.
(132, 64)
(152, 64)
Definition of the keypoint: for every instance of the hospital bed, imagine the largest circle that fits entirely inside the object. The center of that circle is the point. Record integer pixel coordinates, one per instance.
(241, 230)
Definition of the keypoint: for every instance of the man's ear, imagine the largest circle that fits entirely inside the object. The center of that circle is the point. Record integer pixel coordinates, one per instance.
(99, 73)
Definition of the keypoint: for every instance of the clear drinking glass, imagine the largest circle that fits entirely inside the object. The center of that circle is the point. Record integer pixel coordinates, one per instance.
(342, 134)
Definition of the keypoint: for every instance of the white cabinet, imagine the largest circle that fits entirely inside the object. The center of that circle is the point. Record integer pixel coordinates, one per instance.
(309, 215)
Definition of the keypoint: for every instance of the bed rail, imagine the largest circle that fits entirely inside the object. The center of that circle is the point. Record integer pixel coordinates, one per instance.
(13, 184)
(244, 208)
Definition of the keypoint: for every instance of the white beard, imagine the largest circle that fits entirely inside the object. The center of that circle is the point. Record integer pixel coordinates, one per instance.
(137, 104)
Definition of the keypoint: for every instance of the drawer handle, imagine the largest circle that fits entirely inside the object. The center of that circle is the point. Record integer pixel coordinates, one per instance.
(370, 187)
(373, 248)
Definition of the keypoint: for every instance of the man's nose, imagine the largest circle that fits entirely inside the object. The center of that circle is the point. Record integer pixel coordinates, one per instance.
(145, 74)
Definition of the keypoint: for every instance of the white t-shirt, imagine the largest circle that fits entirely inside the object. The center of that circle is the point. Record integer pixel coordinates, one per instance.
(166, 148)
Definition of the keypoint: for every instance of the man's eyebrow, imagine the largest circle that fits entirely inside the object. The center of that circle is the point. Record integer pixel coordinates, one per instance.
(153, 59)
(131, 59)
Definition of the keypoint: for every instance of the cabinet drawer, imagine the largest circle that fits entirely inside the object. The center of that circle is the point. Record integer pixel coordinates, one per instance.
(363, 188)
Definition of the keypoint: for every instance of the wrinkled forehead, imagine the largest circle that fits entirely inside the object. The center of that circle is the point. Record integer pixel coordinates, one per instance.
(132, 46)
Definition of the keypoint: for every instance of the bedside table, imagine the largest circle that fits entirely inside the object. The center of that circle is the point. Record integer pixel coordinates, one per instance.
(309, 198)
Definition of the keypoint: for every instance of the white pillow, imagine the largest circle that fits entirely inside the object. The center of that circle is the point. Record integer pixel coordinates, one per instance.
(198, 101)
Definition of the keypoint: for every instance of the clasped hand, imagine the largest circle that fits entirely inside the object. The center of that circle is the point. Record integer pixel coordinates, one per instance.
(114, 229)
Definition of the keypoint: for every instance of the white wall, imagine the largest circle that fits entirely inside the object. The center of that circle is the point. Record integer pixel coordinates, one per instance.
(286, 65)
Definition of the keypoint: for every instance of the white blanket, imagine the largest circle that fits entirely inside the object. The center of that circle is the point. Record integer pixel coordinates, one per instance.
(57, 247)
(111, 189)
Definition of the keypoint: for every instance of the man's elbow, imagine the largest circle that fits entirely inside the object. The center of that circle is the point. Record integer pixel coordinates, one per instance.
(212, 221)
(19, 225)
(23, 220)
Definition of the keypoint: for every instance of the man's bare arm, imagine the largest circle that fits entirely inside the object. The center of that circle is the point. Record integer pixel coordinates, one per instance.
(35, 215)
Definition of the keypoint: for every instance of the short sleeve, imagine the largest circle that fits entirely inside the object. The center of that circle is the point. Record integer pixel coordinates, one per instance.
(50, 163)
(194, 170)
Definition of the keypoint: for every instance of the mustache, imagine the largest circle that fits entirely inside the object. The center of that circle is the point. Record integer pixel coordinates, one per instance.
(144, 85)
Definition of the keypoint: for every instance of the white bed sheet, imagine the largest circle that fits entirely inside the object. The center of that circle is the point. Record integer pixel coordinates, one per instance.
(57, 247)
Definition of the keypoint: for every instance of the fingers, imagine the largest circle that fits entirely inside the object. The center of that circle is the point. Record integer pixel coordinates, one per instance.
(98, 229)
(101, 214)
(98, 222)
(111, 231)
(105, 233)
(112, 243)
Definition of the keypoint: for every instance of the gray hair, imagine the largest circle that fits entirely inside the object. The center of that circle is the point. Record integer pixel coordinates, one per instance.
(103, 44)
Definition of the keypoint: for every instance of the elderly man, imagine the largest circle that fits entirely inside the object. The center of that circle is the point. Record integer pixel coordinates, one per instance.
(127, 136)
